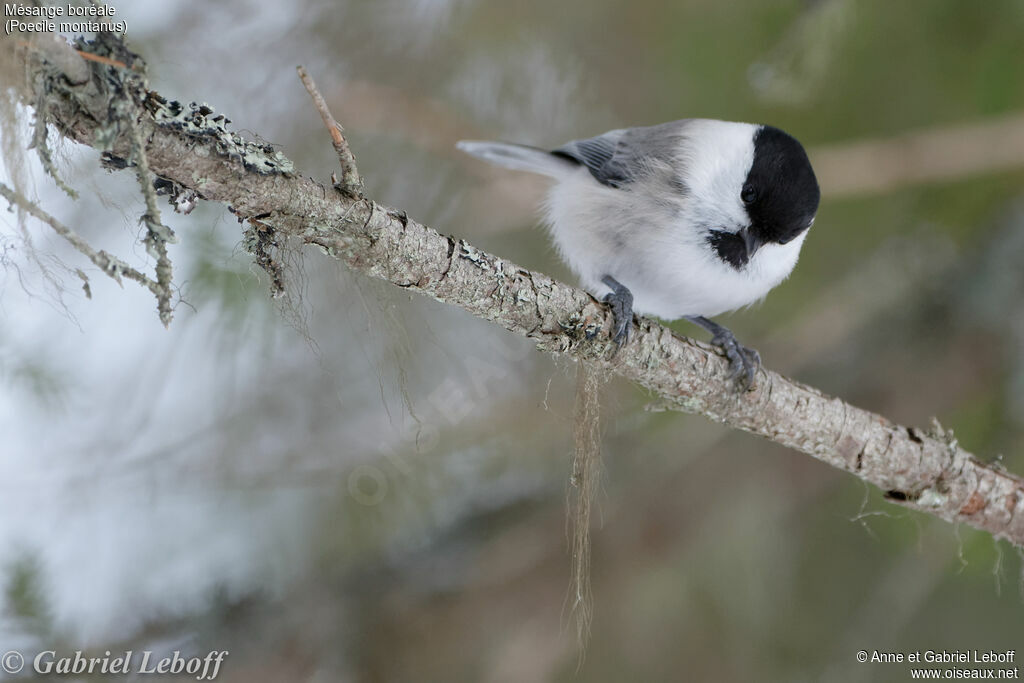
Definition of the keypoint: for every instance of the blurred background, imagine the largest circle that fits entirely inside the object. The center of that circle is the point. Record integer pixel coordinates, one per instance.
(360, 485)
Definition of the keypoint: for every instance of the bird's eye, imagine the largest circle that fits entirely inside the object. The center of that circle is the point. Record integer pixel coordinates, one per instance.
(749, 194)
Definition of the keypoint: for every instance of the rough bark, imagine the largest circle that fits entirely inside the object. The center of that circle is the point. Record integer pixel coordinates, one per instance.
(192, 148)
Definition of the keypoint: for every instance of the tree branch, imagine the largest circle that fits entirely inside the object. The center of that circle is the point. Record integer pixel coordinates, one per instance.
(190, 146)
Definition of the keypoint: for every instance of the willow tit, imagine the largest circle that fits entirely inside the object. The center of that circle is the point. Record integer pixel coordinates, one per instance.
(687, 219)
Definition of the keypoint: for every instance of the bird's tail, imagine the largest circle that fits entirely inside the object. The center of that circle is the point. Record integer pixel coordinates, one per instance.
(518, 157)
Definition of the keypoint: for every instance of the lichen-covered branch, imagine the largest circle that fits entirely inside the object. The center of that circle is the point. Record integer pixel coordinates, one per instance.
(39, 144)
(926, 470)
(111, 265)
(157, 234)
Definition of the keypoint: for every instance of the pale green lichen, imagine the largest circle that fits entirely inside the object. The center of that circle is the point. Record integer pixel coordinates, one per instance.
(200, 121)
(40, 143)
(691, 404)
(471, 253)
(930, 498)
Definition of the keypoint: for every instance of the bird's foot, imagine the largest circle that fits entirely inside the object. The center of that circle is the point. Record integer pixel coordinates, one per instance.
(743, 362)
(620, 300)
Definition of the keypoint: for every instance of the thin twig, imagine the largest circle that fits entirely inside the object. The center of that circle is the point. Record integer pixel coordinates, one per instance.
(111, 265)
(101, 59)
(351, 184)
(86, 55)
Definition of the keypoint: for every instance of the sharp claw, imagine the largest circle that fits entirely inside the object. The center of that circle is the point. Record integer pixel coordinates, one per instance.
(743, 362)
(620, 300)
(620, 324)
(751, 364)
(622, 336)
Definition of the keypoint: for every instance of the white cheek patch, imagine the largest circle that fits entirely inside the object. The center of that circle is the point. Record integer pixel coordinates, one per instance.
(717, 156)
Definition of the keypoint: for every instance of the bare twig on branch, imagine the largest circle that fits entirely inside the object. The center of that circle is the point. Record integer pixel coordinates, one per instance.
(925, 470)
(351, 184)
(101, 59)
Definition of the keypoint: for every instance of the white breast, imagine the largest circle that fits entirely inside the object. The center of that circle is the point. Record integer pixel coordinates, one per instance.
(688, 278)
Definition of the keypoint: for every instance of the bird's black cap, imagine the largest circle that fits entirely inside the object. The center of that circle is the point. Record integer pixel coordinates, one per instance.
(781, 193)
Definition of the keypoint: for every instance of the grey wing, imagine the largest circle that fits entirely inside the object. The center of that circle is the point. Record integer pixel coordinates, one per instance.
(619, 157)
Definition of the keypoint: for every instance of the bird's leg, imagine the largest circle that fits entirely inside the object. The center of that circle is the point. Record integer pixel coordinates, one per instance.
(621, 302)
(744, 362)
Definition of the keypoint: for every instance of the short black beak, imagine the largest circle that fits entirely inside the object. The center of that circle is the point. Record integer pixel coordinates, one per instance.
(750, 241)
